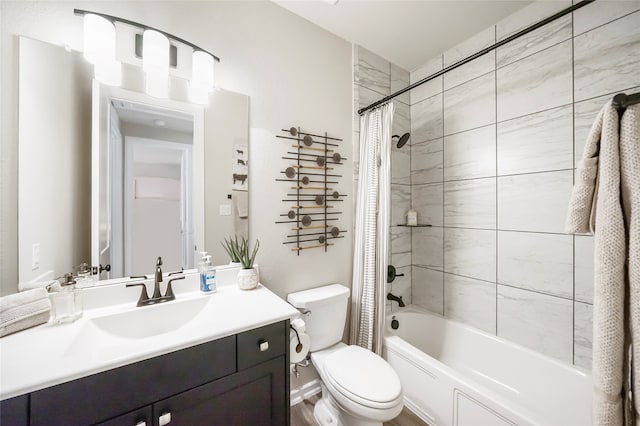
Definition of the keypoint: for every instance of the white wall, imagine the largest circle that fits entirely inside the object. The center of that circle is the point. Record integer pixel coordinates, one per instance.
(53, 190)
(295, 74)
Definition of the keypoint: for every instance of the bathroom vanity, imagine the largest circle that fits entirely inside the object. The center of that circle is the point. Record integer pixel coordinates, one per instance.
(227, 364)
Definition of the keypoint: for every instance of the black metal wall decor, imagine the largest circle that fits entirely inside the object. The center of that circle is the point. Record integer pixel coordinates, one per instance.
(312, 203)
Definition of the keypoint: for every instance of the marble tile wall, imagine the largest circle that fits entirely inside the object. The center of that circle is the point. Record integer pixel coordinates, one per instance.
(493, 149)
(375, 78)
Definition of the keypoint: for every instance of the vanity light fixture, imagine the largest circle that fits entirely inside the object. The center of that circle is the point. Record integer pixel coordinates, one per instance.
(202, 77)
(99, 33)
(155, 63)
(100, 49)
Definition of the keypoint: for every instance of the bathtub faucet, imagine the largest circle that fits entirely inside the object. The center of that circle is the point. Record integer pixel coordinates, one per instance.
(397, 299)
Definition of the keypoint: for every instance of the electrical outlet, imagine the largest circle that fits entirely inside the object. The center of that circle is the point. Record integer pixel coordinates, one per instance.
(35, 256)
(225, 209)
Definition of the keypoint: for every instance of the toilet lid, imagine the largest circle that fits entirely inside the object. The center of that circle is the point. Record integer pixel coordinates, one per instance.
(363, 376)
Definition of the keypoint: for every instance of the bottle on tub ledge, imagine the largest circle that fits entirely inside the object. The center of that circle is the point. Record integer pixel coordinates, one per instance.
(412, 218)
(207, 274)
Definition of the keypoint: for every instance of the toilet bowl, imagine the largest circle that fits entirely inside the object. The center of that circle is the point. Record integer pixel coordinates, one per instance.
(359, 388)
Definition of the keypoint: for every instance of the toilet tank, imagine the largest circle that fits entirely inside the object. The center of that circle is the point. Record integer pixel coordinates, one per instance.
(328, 311)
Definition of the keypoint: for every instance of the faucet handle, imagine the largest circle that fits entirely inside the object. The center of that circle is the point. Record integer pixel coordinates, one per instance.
(144, 296)
(169, 293)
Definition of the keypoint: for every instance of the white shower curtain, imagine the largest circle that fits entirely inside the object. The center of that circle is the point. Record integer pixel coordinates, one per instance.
(371, 248)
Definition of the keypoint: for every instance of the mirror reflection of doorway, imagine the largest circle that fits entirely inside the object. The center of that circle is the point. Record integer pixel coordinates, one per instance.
(151, 209)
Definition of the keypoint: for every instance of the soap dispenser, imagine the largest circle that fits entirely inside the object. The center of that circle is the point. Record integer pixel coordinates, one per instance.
(207, 274)
(66, 304)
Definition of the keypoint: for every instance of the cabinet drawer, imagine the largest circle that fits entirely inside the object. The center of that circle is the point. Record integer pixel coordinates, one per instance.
(261, 344)
(102, 396)
(141, 417)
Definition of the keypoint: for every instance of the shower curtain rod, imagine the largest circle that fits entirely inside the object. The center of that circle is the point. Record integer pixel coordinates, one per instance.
(478, 54)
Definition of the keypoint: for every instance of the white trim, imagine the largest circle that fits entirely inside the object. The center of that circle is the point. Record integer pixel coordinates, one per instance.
(305, 391)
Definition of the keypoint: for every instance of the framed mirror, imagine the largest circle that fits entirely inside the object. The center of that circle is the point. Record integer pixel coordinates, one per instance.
(112, 176)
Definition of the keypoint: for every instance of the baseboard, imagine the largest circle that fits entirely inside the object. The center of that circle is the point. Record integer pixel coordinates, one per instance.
(419, 412)
(305, 391)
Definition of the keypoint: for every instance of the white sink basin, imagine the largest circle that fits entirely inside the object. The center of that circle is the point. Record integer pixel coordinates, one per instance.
(151, 320)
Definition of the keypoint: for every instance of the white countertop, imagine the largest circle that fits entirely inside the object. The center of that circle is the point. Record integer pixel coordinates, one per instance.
(48, 355)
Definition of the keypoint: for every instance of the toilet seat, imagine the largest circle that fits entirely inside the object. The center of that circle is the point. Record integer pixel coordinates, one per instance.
(363, 377)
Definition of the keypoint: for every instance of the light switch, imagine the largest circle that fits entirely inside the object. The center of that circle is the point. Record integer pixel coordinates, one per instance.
(225, 209)
(35, 256)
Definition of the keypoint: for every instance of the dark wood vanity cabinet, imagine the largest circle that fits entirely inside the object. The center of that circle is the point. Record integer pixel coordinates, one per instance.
(237, 380)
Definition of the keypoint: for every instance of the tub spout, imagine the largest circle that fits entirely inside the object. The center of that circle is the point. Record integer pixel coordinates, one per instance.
(397, 299)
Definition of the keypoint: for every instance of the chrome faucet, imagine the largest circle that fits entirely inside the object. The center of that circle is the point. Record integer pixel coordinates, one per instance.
(157, 294)
(397, 299)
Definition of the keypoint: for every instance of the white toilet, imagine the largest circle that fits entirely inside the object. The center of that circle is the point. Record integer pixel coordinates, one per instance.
(358, 387)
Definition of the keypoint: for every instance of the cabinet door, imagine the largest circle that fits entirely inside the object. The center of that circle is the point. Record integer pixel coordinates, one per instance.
(256, 396)
(141, 417)
(15, 411)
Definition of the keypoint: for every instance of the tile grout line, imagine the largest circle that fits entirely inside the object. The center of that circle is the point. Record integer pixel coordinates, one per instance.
(573, 179)
(572, 38)
(567, 298)
(502, 176)
(495, 81)
(443, 196)
(604, 24)
(467, 228)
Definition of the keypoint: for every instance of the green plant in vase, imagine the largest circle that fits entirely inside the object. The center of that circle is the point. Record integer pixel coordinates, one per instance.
(248, 275)
(232, 247)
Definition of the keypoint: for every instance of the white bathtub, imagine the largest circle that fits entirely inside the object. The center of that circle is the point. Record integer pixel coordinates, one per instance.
(453, 374)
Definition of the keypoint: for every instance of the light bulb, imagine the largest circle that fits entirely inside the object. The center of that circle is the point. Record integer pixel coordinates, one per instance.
(202, 70)
(155, 52)
(99, 39)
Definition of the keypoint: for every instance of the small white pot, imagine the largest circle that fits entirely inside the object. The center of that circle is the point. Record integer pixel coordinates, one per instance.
(234, 264)
(247, 279)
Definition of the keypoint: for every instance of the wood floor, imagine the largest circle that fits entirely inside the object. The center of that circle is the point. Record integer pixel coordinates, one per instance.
(302, 415)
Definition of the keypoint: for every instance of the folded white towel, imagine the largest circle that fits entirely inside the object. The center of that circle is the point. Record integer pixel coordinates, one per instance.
(241, 199)
(53, 285)
(24, 310)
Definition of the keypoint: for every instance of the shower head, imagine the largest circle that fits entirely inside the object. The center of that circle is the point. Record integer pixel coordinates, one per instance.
(402, 140)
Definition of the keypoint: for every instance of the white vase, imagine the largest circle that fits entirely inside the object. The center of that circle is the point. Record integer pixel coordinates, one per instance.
(235, 264)
(247, 279)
